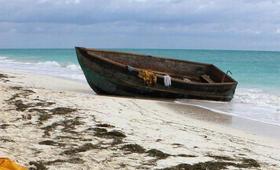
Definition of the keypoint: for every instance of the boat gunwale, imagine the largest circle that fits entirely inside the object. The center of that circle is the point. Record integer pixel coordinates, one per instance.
(123, 66)
(145, 55)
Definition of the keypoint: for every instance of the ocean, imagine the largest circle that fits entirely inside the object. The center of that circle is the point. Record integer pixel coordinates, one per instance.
(258, 73)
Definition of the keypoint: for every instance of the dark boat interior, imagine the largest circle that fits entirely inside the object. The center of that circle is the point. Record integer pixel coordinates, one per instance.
(177, 69)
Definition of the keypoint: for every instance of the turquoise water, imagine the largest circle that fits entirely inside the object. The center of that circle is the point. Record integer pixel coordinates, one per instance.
(258, 73)
(249, 68)
(62, 56)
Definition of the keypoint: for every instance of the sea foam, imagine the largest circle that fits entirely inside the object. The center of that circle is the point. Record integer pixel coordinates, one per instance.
(258, 96)
(254, 104)
(52, 68)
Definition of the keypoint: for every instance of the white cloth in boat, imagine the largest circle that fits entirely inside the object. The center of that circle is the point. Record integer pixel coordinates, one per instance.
(130, 68)
(167, 80)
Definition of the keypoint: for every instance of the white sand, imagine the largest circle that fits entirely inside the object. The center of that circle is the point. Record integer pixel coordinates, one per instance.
(72, 141)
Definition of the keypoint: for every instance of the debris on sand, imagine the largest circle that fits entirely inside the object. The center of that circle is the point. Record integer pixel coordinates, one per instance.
(157, 153)
(83, 148)
(37, 165)
(216, 165)
(104, 125)
(133, 148)
(62, 110)
(4, 78)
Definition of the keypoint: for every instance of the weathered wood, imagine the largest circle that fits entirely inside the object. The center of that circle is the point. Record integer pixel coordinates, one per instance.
(107, 73)
(207, 78)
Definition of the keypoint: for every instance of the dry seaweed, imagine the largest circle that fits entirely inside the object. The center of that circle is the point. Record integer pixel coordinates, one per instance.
(27, 92)
(83, 148)
(216, 165)
(116, 134)
(27, 117)
(4, 126)
(16, 88)
(51, 143)
(49, 129)
(44, 117)
(6, 140)
(38, 110)
(100, 132)
(103, 133)
(248, 162)
(71, 160)
(39, 165)
(44, 104)
(62, 110)
(68, 126)
(24, 92)
(14, 96)
(3, 76)
(133, 148)
(104, 125)
(67, 137)
(157, 153)
(42, 165)
(225, 158)
(20, 106)
(185, 155)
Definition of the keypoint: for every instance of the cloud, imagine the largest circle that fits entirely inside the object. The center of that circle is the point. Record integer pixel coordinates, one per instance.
(59, 1)
(199, 20)
(160, 11)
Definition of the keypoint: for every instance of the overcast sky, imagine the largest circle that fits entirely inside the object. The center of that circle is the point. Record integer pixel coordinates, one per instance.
(200, 24)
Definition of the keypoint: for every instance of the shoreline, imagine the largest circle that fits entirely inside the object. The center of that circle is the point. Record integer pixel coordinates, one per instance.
(252, 126)
(55, 123)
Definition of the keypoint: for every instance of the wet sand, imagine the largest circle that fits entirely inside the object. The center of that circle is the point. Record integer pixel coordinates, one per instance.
(52, 123)
(249, 126)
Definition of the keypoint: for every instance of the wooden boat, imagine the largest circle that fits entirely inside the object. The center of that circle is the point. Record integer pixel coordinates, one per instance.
(117, 73)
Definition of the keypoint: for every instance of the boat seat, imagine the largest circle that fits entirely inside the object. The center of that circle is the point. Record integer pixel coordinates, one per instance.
(186, 79)
(207, 78)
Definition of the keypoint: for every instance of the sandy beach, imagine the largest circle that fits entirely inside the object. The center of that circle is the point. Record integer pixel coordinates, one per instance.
(53, 123)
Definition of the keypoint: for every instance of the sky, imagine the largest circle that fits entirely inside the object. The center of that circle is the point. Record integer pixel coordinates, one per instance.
(183, 24)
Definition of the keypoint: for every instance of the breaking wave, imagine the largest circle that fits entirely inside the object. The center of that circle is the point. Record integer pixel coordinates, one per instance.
(254, 104)
(52, 68)
(259, 97)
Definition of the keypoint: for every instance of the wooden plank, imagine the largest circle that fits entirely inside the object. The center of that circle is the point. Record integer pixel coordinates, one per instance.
(207, 78)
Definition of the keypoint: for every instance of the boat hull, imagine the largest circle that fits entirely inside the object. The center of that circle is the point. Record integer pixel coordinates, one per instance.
(109, 79)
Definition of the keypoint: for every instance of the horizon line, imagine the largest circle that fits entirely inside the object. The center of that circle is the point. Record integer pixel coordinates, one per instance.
(136, 48)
